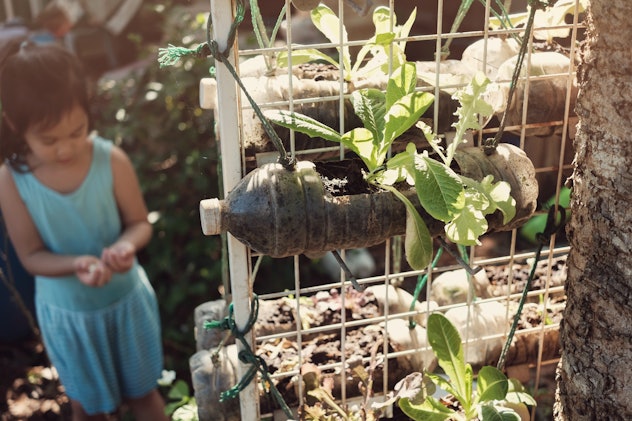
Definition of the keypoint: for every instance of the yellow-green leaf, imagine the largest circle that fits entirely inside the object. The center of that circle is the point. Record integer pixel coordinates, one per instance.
(439, 188)
(430, 410)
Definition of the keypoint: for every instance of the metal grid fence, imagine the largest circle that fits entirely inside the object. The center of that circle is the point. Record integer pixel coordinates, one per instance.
(550, 149)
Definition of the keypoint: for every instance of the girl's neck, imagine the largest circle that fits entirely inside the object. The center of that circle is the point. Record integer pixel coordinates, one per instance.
(64, 178)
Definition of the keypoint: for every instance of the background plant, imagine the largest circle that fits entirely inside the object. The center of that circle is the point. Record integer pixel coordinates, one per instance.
(153, 114)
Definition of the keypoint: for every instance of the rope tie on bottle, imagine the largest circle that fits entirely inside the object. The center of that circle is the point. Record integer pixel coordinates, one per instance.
(172, 54)
(490, 144)
(543, 238)
(247, 356)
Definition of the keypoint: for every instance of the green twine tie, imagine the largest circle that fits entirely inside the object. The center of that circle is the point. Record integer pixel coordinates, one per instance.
(490, 144)
(172, 54)
(543, 238)
(247, 356)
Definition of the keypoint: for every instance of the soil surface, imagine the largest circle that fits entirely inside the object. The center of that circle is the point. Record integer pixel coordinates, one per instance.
(29, 385)
(326, 348)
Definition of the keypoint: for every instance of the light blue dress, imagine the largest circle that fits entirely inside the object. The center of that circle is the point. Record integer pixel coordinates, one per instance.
(104, 342)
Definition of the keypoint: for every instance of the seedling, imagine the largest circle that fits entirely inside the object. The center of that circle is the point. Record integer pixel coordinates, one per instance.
(460, 202)
(381, 46)
(492, 397)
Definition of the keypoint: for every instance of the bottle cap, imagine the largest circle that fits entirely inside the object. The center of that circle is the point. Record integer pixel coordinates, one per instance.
(211, 216)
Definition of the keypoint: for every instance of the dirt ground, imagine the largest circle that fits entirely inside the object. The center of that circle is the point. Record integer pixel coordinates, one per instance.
(29, 386)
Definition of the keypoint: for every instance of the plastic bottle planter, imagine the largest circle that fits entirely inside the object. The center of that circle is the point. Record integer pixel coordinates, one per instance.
(283, 213)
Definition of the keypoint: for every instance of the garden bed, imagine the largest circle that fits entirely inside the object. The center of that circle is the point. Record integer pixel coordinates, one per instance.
(366, 340)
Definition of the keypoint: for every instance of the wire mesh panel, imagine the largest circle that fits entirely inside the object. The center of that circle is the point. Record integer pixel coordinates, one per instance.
(336, 332)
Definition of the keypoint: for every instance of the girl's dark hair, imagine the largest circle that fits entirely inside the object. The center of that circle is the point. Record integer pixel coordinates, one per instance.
(38, 85)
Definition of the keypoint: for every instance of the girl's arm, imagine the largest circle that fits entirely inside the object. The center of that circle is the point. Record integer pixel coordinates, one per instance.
(30, 248)
(137, 230)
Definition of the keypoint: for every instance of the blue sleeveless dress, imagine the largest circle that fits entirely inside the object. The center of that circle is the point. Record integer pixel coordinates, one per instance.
(104, 342)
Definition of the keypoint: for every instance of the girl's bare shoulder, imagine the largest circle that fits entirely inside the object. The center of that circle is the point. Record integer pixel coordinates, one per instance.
(8, 191)
(119, 157)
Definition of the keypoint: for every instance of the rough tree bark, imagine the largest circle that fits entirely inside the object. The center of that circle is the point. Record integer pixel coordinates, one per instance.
(595, 373)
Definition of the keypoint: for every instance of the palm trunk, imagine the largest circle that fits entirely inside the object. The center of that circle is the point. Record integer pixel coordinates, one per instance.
(595, 373)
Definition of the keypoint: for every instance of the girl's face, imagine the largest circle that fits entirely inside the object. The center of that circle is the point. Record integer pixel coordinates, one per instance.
(62, 143)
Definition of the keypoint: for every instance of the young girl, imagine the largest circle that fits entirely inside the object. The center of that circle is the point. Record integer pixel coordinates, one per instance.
(75, 214)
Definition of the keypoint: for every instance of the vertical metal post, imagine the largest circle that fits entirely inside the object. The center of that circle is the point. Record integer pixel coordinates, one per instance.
(229, 114)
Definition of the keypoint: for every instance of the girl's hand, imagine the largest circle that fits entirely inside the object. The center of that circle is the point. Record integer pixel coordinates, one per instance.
(91, 271)
(119, 257)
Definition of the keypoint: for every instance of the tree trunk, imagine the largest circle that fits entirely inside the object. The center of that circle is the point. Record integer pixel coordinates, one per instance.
(595, 373)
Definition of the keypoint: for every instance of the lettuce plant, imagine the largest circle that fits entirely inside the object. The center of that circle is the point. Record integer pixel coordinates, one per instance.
(495, 397)
(381, 46)
(460, 202)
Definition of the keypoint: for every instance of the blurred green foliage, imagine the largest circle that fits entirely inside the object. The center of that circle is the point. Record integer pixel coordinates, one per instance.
(154, 115)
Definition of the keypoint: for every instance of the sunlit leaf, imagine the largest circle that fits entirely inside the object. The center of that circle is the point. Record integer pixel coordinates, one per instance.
(368, 104)
(489, 412)
(517, 394)
(404, 113)
(401, 83)
(500, 197)
(446, 344)
(362, 142)
(304, 56)
(467, 226)
(430, 410)
(492, 384)
(418, 242)
(439, 188)
(302, 123)
(328, 23)
(472, 103)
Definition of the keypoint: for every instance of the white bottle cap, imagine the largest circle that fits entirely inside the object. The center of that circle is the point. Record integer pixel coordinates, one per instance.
(211, 216)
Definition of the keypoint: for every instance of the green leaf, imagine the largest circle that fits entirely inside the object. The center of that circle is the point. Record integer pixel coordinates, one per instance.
(518, 394)
(446, 345)
(492, 384)
(418, 242)
(179, 390)
(470, 223)
(499, 195)
(362, 142)
(384, 39)
(401, 166)
(402, 82)
(468, 396)
(382, 19)
(404, 113)
(439, 188)
(443, 384)
(405, 159)
(471, 106)
(472, 103)
(187, 412)
(304, 56)
(171, 407)
(489, 412)
(368, 104)
(302, 123)
(328, 23)
(430, 410)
